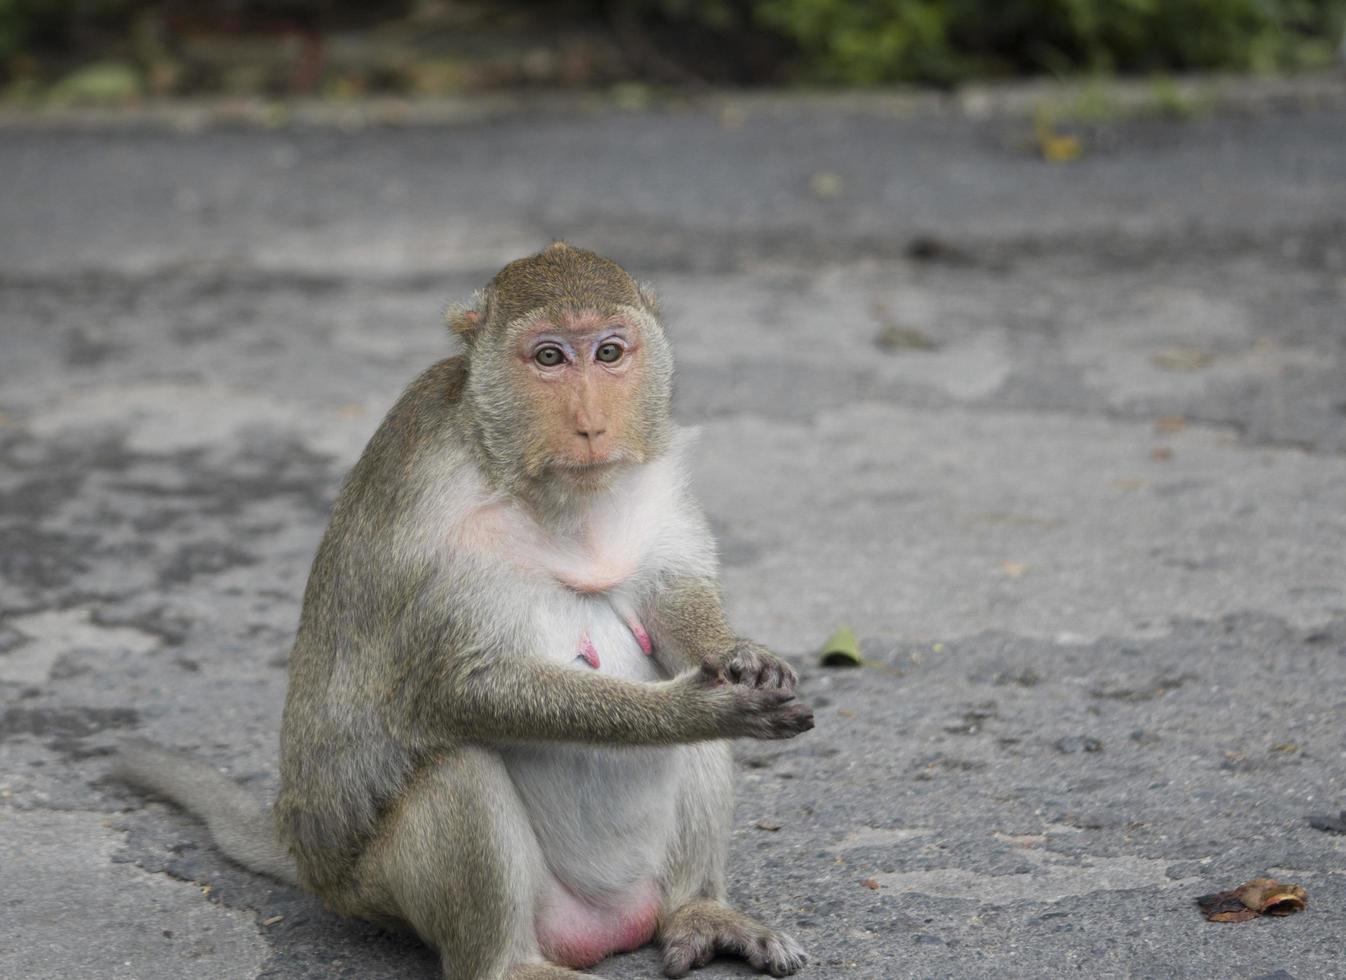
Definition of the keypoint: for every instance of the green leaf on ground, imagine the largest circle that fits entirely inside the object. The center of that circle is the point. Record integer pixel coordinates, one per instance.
(841, 650)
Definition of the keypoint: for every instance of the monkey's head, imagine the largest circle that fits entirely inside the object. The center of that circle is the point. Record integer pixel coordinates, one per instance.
(569, 371)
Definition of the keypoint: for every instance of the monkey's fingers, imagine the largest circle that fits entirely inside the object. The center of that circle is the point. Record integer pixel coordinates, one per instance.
(789, 719)
(794, 719)
(755, 666)
(783, 675)
(751, 669)
(713, 672)
(762, 699)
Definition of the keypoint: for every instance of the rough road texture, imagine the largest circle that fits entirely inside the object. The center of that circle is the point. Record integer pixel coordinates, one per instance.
(1065, 445)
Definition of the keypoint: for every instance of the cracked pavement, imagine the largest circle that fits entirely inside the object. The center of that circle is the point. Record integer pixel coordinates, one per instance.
(1065, 445)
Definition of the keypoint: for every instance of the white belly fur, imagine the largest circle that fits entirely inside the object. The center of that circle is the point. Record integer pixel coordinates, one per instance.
(602, 815)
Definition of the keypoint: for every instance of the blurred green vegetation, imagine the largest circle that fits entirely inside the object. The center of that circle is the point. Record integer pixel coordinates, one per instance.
(869, 42)
(119, 50)
(942, 41)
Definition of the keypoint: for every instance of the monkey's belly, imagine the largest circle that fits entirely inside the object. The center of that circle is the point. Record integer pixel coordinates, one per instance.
(601, 815)
(604, 822)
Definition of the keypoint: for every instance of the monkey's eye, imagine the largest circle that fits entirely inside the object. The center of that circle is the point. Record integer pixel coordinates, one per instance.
(549, 356)
(609, 353)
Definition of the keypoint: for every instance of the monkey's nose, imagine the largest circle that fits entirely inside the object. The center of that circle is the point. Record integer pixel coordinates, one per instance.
(595, 443)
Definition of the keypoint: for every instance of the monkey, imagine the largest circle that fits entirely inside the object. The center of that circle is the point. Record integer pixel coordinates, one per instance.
(513, 682)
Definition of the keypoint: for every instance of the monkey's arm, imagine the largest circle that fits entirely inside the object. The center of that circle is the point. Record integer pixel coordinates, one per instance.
(687, 619)
(499, 699)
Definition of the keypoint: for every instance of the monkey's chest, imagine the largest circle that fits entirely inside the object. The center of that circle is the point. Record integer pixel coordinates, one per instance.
(597, 632)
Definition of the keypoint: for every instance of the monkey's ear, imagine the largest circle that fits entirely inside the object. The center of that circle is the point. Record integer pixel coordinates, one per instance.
(463, 321)
(467, 319)
(648, 297)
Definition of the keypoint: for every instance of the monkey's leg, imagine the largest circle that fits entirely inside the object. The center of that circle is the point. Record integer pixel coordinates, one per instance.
(696, 922)
(458, 861)
(695, 866)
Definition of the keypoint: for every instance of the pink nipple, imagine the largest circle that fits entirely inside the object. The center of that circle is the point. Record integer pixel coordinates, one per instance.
(641, 636)
(587, 651)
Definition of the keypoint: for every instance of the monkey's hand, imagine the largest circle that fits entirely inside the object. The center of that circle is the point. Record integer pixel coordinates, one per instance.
(752, 665)
(741, 711)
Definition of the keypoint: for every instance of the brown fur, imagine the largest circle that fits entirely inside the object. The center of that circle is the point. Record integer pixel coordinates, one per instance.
(560, 280)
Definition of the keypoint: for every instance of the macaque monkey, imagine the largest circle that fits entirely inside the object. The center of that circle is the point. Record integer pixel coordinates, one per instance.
(513, 679)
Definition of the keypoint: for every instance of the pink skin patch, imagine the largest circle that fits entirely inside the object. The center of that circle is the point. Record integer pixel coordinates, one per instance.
(590, 586)
(588, 653)
(577, 933)
(591, 576)
(641, 636)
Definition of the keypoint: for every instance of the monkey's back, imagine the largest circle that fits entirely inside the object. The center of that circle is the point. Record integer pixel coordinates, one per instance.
(342, 759)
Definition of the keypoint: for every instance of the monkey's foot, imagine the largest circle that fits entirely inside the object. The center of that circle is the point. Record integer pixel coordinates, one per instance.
(695, 933)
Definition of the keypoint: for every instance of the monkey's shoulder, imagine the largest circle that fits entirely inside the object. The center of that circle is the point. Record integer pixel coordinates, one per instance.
(425, 406)
(443, 381)
(417, 445)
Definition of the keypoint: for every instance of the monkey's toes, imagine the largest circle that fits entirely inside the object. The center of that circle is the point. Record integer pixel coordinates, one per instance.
(779, 955)
(769, 952)
(685, 955)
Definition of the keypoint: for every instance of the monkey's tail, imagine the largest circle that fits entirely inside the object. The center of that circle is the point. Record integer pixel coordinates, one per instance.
(240, 826)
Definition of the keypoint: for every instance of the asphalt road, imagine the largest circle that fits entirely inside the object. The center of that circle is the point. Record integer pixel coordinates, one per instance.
(1065, 444)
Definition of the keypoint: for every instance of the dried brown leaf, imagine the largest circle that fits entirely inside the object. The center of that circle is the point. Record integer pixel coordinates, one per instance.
(1271, 897)
(1224, 907)
(1261, 896)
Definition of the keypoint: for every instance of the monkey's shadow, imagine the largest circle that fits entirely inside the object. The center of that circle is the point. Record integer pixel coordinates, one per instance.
(306, 941)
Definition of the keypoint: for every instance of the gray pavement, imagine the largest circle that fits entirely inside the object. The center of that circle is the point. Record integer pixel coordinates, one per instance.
(1066, 446)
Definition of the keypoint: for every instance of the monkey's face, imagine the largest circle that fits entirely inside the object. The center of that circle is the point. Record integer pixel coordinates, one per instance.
(569, 372)
(583, 378)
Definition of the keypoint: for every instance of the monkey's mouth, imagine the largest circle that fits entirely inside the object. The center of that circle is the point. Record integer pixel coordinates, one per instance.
(589, 471)
(582, 467)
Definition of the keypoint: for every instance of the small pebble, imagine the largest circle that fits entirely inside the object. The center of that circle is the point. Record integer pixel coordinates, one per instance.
(1072, 744)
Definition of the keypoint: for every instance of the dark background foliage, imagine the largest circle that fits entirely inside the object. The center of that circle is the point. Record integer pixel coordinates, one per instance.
(427, 47)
